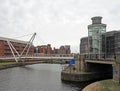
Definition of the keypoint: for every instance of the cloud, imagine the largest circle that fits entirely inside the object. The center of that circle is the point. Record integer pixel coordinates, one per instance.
(56, 21)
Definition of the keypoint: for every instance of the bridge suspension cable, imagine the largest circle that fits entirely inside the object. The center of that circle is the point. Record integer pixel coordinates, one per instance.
(39, 40)
(27, 47)
(24, 35)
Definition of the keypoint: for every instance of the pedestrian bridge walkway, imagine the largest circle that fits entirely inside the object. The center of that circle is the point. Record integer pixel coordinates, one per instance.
(40, 56)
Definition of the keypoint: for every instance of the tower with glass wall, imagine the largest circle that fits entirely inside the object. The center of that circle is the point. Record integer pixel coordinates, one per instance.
(95, 36)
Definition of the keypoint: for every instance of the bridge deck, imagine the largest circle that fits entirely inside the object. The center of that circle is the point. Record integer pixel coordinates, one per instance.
(41, 57)
(101, 61)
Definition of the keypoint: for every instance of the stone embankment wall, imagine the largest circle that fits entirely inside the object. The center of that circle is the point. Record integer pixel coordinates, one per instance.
(77, 77)
(81, 76)
(9, 65)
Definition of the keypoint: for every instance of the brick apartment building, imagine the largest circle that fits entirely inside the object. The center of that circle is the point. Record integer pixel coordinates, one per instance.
(18, 45)
(44, 49)
(47, 49)
(62, 50)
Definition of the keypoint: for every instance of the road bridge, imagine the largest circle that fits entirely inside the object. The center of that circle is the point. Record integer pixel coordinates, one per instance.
(109, 67)
(100, 61)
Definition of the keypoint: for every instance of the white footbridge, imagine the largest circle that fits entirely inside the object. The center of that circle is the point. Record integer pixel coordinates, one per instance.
(24, 54)
(40, 56)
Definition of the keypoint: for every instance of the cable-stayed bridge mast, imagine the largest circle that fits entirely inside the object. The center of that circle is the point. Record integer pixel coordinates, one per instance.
(25, 51)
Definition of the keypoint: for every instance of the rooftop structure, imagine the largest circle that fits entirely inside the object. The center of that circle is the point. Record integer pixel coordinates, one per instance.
(96, 20)
(13, 40)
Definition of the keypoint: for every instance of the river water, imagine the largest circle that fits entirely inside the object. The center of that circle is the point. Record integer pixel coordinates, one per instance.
(37, 77)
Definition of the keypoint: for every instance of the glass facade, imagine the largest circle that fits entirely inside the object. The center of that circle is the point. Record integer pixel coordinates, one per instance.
(100, 44)
(84, 45)
(117, 42)
(95, 31)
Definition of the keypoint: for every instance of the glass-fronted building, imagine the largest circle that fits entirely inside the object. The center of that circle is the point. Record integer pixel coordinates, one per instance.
(100, 44)
(95, 32)
(84, 45)
(117, 43)
(110, 44)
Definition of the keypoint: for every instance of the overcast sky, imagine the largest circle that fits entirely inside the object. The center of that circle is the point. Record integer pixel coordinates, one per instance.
(58, 22)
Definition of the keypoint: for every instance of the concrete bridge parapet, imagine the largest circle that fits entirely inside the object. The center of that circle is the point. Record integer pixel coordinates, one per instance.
(94, 70)
(106, 67)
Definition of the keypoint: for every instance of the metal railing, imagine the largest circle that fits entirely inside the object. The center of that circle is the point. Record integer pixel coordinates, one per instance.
(101, 57)
(38, 55)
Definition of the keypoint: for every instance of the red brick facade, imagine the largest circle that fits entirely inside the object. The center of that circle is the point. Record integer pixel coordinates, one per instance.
(45, 49)
(62, 50)
(18, 45)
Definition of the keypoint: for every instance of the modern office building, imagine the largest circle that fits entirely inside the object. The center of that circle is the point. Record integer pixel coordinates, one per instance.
(110, 43)
(84, 45)
(117, 42)
(95, 31)
(17, 44)
(99, 43)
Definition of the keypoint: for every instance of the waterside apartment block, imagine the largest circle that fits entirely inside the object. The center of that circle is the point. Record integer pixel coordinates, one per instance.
(17, 44)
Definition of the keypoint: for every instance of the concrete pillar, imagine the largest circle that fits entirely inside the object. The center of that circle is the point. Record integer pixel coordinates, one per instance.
(83, 65)
(116, 72)
(77, 66)
(79, 63)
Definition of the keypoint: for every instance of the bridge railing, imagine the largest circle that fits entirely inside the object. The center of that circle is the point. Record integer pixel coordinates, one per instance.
(101, 57)
(50, 55)
(39, 55)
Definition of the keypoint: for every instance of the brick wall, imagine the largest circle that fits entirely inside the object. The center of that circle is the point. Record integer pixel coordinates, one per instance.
(5, 50)
(45, 49)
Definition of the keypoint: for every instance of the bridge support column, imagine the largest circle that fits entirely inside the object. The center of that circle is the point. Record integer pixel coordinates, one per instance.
(116, 72)
(83, 65)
